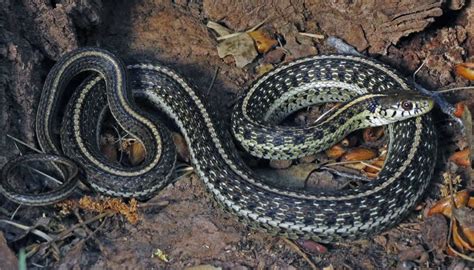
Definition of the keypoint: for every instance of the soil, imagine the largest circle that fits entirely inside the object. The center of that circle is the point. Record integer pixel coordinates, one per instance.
(182, 221)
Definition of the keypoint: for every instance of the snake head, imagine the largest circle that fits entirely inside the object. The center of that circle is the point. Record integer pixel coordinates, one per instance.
(386, 109)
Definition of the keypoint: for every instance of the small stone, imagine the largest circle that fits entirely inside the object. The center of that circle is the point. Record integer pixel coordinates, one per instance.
(274, 57)
(280, 164)
(308, 159)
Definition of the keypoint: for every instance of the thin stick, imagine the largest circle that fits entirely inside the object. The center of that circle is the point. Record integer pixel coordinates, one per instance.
(418, 69)
(39, 233)
(455, 89)
(25, 144)
(344, 162)
(371, 166)
(16, 211)
(301, 253)
(316, 36)
(212, 81)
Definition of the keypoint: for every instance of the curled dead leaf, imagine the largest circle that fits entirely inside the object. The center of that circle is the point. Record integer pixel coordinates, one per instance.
(459, 240)
(377, 165)
(444, 206)
(335, 152)
(470, 203)
(461, 158)
(134, 150)
(466, 70)
(241, 47)
(263, 40)
(358, 154)
(136, 153)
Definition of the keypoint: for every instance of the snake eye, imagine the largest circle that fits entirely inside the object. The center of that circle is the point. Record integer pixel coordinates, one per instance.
(407, 105)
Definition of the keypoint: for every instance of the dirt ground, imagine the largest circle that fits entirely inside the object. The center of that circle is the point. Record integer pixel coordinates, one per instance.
(182, 221)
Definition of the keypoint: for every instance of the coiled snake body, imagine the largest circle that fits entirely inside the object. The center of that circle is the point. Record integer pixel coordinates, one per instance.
(373, 94)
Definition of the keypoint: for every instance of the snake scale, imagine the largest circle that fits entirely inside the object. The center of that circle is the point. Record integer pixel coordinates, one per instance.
(372, 95)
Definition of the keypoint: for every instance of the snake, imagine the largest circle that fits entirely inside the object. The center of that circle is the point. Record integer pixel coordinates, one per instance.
(370, 92)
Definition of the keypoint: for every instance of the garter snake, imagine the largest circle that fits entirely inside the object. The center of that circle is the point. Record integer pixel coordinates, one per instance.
(373, 94)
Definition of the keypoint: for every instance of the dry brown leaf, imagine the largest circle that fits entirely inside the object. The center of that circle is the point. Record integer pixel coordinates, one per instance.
(220, 29)
(444, 206)
(336, 151)
(359, 154)
(458, 239)
(240, 45)
(136, 153)
(470, 203)
(465, 70)
(263, 40)
(378, 163)
(461, 158)
(134, 150)
(468, 233)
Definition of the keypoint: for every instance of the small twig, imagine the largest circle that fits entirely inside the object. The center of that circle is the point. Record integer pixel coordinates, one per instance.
(16, 211)
(323, 115)
(316, 36)
(371, 166)
(91, 234)
(186, 169)
(258, 25)
(300, 252)
(183, 175)
(79, 217)
(418, 70)
(346, 174)
(37, 232)
(240, 33)
(38, 265)
(54, 179)
(344, 162)
(25, 144)
(212, 81)
(280, 45)
(66, 233)
(455, 89)
(15, 141)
